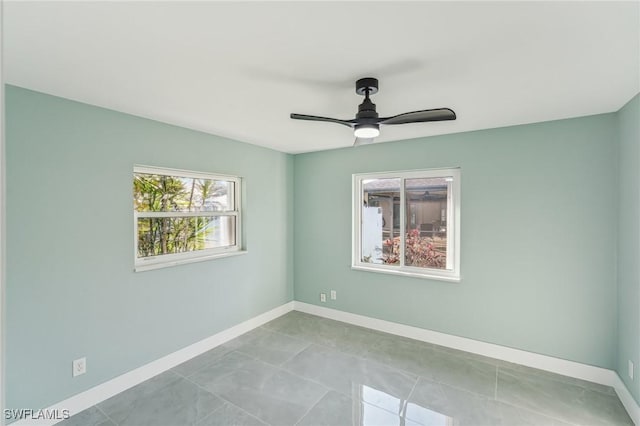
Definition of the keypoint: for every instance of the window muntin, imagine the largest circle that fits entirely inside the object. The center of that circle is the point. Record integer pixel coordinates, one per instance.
(408, 223)
(182, 216)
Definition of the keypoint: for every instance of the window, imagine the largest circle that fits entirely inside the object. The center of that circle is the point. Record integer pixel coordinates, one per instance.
(408, 223)
(182, 216)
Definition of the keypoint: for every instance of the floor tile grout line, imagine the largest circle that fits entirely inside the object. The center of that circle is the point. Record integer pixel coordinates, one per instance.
(173, 369)
(411, 373)
(562, 379)
(286, 371)
(216, 395)
(542, 413)
(406, 402)
(337, 349)
(399, 369)
(317, 383)
(225, 400)
(327, 387)
(106, 415)
(211, 413)
(205, 389)
(164, 386)
(363, 358)
(241, 409)
(417, 342)
(529, 410)
(277, 367)
(458, 388)
(443, 349)
(514, 372)
(210, 365)
(440, 348)
(281, 333)
(308, 341)
(295, 354)
(180, 374)
(386, 410)
(239, 350)
(312, 407)
(282, 369)
(314, 342)
(435, 347)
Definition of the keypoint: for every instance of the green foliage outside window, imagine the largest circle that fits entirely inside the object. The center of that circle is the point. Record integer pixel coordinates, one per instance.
(177, 234)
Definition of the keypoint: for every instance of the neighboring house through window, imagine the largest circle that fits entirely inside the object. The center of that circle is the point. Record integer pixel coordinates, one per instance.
(408, 223)
(183, 216)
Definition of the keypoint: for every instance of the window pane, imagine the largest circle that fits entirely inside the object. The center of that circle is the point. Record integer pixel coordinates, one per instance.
(426, 221)
(381, 221)
(213, 195)
(169, 235)
(162, 193)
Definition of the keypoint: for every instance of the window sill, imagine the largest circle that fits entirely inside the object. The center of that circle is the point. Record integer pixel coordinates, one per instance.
(169, 263)
(407, 273)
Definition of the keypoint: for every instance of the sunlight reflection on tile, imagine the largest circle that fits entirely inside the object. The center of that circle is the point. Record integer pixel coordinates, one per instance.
(424, 416)
(379, 399)
(373, 407)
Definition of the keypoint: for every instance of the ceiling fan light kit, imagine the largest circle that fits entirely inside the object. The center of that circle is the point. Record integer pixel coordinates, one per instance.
(366, 125)
(366, 131)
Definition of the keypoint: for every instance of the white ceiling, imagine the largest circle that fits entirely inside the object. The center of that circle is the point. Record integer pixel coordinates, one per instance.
(237, 69)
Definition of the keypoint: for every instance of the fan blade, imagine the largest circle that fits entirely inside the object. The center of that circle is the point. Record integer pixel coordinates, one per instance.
(348, 123)
(439, 114)
(362, 141)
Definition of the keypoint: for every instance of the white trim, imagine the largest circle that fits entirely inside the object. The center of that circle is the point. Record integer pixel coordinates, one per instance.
(167, 171)
(199, 213)
(141, 267)
(380, 269)
(564, 367)
(403, 223)
(453, 224)
(97, 394)
(626, 398)
(173, 259)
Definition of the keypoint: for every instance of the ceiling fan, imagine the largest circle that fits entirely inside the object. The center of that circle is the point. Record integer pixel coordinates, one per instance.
(366, 125)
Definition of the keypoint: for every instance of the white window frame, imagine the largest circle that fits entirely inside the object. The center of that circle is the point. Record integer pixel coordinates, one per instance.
(173, 259)
(452, 271)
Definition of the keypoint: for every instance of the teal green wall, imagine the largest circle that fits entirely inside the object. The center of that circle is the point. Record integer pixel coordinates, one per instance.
(71, 289)
(542, 220)
(629, 244)
(538, 237)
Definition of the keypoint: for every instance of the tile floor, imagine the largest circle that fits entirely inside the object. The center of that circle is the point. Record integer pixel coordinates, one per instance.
(304, 370)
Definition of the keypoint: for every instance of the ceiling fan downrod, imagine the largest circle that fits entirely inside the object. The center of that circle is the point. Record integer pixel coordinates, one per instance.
(367, 116)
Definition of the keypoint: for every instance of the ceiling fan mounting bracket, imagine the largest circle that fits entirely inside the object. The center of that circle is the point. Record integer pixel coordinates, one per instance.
(369, 84)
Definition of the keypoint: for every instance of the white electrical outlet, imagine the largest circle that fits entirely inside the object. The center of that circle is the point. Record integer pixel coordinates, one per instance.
(334, 295)
(79, 366)
(631, 369)
(323, 297)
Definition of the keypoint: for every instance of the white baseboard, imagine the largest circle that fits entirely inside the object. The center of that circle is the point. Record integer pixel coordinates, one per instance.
(97, 394)
(626, 398)
(543, 362)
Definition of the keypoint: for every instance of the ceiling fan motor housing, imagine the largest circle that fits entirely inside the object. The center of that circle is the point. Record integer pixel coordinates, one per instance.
(367, 110)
